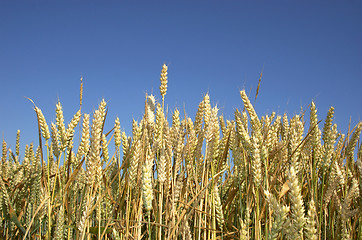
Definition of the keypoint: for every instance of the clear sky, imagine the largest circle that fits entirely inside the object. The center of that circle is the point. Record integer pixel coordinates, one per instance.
(308, 50)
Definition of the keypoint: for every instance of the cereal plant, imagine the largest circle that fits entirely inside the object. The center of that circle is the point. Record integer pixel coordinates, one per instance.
(250, 177)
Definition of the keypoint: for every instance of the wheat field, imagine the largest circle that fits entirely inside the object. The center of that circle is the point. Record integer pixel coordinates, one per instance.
(202, 177)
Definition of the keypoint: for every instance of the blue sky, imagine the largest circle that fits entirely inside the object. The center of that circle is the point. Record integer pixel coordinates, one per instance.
(308, 50)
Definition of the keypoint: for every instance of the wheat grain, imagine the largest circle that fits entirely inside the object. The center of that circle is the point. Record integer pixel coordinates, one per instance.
(207, 109)
(94, 167)
(163, 87)
(43, 125)
(117, 133)
(218, 207)
(105, 148)
(17, 150)
(84, 142)
(256, 161)
(59, 229)
(311, 224)
(353, 141)
(255, 123)
(199, 117)
(298, 215)
(60, 122)
(280, 215)
(242, 132)
(69, 132)
(147, 192)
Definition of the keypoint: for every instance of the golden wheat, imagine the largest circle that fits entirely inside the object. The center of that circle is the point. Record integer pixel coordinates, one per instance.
(250, 177)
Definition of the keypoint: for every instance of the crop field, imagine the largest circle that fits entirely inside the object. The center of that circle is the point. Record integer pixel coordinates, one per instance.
(181, 177)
